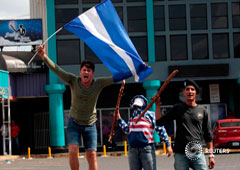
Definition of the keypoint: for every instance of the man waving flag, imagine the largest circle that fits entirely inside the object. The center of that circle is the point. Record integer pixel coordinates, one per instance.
(102, 30)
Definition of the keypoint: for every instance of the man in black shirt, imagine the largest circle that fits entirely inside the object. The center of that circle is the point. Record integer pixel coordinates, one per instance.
(193, 125)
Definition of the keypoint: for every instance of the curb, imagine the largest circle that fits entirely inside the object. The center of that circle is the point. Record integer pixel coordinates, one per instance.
(82, 155)
(58, 155)
(8, 157)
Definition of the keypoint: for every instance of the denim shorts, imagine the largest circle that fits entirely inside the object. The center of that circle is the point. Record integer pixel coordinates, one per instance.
(88, 133)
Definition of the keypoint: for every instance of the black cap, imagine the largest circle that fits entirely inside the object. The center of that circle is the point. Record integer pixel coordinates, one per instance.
(189, 82)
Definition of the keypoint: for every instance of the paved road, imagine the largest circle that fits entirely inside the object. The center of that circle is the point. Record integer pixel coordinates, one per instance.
(223, 162)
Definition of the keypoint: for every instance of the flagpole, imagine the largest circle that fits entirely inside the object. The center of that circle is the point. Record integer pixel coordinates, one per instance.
(44, 44)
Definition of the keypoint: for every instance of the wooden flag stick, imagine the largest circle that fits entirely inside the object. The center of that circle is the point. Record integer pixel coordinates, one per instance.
(157, 94)
(116, 110)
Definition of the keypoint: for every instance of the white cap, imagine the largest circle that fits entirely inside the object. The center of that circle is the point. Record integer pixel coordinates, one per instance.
(138, 102)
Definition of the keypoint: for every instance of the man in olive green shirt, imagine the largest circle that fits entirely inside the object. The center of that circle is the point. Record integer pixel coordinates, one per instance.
(84, 94)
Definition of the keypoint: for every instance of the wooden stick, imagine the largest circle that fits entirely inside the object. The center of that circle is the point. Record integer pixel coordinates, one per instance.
(157, 94)
(116, 110)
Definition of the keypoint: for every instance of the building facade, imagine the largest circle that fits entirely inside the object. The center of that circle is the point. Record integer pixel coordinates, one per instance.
(199, 38)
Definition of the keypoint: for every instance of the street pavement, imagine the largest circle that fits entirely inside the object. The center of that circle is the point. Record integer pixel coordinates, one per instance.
(229, 161)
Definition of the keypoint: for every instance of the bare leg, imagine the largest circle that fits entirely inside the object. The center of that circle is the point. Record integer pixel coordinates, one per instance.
(92, 160)
(73, 156)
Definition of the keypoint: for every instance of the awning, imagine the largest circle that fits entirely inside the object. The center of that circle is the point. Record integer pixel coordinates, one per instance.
(13, 64)
(16, 62)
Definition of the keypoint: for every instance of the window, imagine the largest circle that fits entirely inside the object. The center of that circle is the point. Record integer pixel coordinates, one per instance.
(160, 48)
(68, 52)
(177, 17)
(85, 9)
(198, 16)
(178, 45)
(57, 2)
(219, 15)
(159, 19)
(230, 124)
(141, 46)
(200, 46)
(136, 19)
(220, 46)
(236, 39)
(120, 12)
(236, 15)
(114, 1)
(135, 0)
(63, 16)
(90, 1)
(90, 55)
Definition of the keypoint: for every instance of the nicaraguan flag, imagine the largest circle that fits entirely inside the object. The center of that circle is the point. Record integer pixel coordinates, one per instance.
(101, 29)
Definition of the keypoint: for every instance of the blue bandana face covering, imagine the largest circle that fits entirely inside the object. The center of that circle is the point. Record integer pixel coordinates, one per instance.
(136, 112)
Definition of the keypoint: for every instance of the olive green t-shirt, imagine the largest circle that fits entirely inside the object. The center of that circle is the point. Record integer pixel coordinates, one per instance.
(83, 100)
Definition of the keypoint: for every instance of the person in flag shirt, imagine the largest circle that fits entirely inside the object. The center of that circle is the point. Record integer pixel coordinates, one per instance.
(141, 153)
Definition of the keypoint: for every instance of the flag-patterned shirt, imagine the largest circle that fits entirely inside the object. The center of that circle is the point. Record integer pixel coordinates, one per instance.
(141, 134)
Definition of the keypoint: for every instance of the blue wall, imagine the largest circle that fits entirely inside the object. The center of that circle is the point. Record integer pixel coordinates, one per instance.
(4, 79)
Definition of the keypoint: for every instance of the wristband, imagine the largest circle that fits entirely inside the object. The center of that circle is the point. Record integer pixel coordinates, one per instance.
(211, 156)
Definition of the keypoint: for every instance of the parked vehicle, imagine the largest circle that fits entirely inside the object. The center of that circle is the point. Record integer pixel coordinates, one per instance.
(226, 133)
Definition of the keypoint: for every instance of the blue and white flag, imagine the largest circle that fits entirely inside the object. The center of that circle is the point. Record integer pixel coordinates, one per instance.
(102, 30)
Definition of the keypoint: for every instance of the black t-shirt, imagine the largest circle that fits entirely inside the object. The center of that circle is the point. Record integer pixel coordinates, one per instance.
(192, 123)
